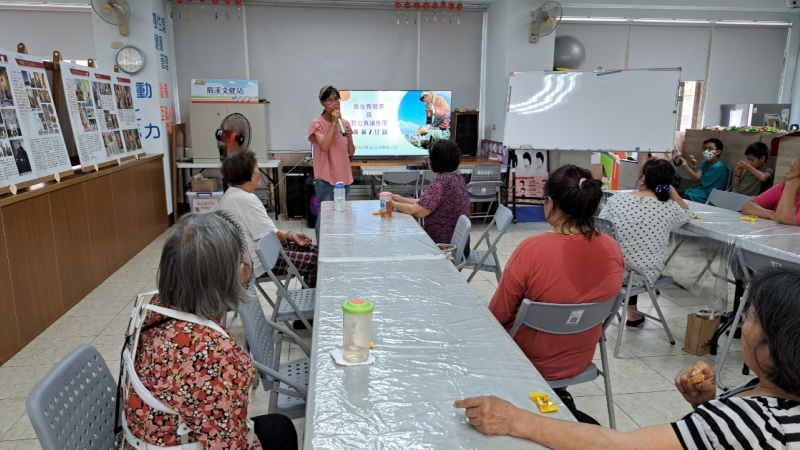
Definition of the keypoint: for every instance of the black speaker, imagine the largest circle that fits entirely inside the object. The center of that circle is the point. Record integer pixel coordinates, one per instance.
(312, 204)
(465, 132)
(296, 195)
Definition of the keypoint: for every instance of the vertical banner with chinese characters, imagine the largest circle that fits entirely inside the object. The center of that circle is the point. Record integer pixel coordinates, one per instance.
(31, 144)
(102, 114)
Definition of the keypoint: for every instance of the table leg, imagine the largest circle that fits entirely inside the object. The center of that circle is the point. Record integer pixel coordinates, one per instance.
(277, 193)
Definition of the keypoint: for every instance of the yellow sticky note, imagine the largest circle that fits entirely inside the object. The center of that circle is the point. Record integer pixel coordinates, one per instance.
(371, 345)
(13, 188)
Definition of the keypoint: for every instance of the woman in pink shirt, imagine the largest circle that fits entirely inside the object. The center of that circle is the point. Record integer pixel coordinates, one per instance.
(332, 150)
(780, 203)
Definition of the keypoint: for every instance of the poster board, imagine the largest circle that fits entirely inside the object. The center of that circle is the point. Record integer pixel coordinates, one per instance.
(102, 114)
(32, 148)
(625, 110)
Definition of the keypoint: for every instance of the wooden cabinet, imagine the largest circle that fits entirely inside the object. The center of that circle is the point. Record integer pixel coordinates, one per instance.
(60, 241)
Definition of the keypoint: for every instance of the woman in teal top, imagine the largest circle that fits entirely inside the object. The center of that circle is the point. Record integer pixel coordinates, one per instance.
(712, 174)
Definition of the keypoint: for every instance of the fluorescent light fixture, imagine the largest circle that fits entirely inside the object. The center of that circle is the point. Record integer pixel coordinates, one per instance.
(673, 21)
(749, 23)
(567, 19)
(45, 5)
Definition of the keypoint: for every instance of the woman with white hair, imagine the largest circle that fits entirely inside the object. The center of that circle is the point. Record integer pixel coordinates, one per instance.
(187, 360)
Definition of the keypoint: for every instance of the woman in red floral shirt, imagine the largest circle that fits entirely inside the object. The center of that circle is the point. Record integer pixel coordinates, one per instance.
(193, 369)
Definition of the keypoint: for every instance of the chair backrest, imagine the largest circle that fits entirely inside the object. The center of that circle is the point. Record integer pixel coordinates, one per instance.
(486, 172)
(268, 250)
(400, 177)
(502, 220)
(459, 239)
(728, 178)
(73, 406)
(605, 226)
(727, 200)
(428, 176)
(681, 172)
(258, 332)
(558, 318)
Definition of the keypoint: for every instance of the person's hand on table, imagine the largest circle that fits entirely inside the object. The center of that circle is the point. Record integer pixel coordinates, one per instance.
(489, 415)
(300, 239)
(697, 393)
(397, 198)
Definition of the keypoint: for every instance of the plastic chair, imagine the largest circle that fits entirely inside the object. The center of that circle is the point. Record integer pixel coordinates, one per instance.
(632, 287)
(484, 186)
(427, 177)
(297, 304)
(565, 319)
(73, 406)
(487, 260)
(400, 181)
(286, 382)
(751, 263)
(727, 200)
(459, 239)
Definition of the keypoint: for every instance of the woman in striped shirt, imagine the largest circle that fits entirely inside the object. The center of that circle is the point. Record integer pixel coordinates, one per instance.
(763, 414)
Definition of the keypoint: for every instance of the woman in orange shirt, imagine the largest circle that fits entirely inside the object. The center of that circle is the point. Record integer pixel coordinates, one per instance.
(572, 263)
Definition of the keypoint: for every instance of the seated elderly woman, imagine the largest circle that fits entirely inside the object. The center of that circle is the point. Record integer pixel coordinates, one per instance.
(186, 359)
(445, 199)
(240, 170)
(764, 413)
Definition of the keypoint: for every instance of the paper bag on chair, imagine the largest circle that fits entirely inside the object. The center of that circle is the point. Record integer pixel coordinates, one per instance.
(699, 331)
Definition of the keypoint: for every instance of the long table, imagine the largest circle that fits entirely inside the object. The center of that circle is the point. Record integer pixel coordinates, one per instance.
(435, 342)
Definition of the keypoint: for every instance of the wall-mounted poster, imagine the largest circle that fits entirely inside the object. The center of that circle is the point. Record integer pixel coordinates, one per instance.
(531, 186)
(531, 162)
(31, 145)
(102, 114)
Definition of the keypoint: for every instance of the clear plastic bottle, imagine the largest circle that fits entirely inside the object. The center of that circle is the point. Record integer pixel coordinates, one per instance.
(356, 330)
(338, 196)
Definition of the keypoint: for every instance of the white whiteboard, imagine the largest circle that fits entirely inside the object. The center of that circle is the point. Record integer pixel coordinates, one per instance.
(625, 110)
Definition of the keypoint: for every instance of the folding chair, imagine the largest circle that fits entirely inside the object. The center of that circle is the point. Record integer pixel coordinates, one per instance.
(459, 239)
(484, 186)
(751, 263)
(73, 406)
(632, 287)
(487, 260)
(727, 200)
(286, 382)
(400, 182)
(297, 304)
(427, 177)
(553, 318)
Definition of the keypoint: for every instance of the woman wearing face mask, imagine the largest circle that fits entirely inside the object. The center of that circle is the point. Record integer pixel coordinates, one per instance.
(332, 151)
(711, 175)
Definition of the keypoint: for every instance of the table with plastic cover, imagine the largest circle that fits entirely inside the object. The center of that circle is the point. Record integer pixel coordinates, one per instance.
(356, 234)
(434, 342)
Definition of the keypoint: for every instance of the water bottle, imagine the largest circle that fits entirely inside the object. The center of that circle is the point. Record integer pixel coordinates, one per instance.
(338, 196)
(356, 330)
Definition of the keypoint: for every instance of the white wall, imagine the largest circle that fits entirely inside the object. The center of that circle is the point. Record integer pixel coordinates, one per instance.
(46, 31)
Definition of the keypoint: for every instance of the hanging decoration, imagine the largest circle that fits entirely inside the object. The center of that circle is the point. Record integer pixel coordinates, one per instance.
(443, 6)
(458, 17)
(179, 8)
(397, 7)
(435, 7)
(450, 6)
(426, 5)
(239, 4)
(407, 5)
(416, 6)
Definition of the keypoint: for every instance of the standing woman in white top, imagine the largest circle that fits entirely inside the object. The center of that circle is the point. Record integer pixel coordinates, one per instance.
(240, 170)
(644, 221)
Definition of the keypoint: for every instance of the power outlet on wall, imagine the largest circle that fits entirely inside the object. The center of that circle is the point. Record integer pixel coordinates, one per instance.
(494, 127)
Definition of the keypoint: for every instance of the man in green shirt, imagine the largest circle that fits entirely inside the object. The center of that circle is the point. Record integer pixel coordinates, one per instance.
(753, 177)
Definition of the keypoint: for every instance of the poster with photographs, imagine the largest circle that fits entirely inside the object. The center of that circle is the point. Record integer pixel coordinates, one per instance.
(102, 114)
(31, 144)
(530, 186)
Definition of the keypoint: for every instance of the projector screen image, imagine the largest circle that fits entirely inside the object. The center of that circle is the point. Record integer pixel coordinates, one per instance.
(396, 123)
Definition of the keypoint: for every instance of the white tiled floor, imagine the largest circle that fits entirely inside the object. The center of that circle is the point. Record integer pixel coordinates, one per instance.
(641, 378)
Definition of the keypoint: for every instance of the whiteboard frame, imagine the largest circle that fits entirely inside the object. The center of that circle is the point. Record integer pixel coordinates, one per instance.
(664, 147)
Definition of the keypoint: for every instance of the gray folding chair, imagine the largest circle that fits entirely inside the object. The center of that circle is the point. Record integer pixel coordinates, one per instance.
(484, 186)
(400, 182)
(287, 382)
(727, 200)
(427, 177)
(459, 239)
(73, 406)
(563, 319)
(751, 263)
(729, 180)
(637, 284)
(297, 304)
(487, 260)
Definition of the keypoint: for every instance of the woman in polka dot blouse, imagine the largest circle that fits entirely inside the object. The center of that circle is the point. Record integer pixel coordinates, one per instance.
(644, 221)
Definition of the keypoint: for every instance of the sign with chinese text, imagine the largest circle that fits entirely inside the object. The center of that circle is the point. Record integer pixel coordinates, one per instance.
(224, 91)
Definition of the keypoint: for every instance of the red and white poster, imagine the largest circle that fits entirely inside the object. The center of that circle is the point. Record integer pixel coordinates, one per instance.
(102, 114)
(531, 186)
(31, 143)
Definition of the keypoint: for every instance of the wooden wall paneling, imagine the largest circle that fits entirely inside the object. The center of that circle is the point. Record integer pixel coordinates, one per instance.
(34, 272)
(122, 189)
(159, 195)
(9, 333)
(143, 199)
(73, 244)
(100, 216)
